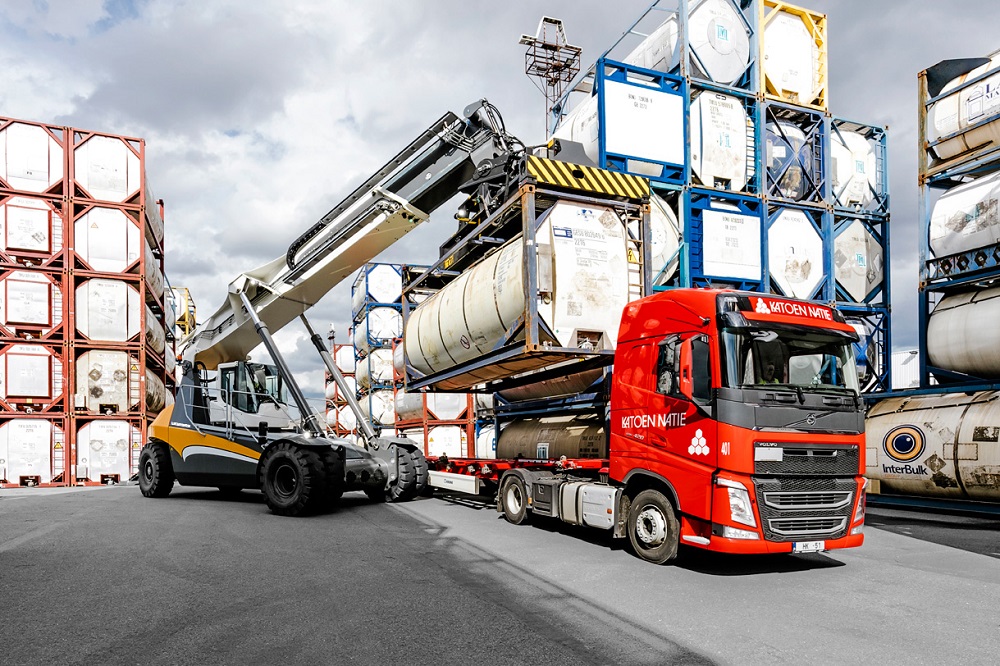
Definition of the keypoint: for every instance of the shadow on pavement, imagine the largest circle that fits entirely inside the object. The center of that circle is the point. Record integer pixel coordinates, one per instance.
(721, 564)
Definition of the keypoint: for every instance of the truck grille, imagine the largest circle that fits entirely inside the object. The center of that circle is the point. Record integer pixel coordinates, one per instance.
(794, 509)
(809, 460)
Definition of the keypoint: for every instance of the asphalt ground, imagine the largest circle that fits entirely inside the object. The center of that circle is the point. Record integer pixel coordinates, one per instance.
(106, 576)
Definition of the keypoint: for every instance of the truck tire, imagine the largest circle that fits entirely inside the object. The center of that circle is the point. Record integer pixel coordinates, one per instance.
(653, 528)
(293, 479)
(156, 473)
(333, 470)
(514, 500)
(405, 487)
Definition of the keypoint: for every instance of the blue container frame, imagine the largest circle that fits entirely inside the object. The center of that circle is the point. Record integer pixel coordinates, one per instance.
(362, 279)
(820, 222)
(880, 380)
(878, 227)
(878, 137)
(751, 105)
(813, 124)
(695, 202)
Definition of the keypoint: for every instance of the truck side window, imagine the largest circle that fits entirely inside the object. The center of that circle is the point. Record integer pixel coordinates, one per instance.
(666, 366)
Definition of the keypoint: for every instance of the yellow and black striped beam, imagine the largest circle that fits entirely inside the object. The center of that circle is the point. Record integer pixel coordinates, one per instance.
(586, 178)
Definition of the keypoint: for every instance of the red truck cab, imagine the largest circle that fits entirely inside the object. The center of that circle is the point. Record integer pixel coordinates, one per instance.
(737, 419)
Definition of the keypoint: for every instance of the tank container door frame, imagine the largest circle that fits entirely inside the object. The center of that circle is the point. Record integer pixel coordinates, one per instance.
(33, 451)
(860, 252)
(107, 168)
(33, 305)
(724, 239)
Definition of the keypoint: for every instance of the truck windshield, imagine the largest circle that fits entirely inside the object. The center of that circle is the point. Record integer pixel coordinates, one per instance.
(796, 358)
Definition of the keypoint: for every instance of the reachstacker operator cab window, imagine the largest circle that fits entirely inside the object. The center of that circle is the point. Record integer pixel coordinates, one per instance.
(246, 386)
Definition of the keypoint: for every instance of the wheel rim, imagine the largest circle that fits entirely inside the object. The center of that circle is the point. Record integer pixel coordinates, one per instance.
(651, 526)
(514, 498)
(286, 480)
(147, 470)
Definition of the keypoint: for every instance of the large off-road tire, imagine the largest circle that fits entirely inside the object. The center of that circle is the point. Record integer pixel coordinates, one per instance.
(293, 479)
(514, 500)
(405, 486)
(333, 470)
(156, 473)
(421, 469)
(653, 528)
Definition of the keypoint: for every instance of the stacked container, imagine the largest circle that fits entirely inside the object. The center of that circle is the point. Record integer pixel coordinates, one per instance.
(771, 191)
(83, 345)
(339, 415)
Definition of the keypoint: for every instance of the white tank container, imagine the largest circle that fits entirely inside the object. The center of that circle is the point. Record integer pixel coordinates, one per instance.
(108, 310)
(111, 379)
(718, 37)
(795, 254)
(581, 252)
(789, 160)
(409, 406)
(31, 159)
(962, 109)
(379, 407)
(30, 301)
(553, 437)
(379, 327)
(107, 169)
(154, 276)
(853, 171)
(104, 447)
(344, 359)
(664, 238)
(334, 394)
(936, 446)
(30, 372)
(720, 129)
(731, 243)
(377, 283)
(961, 335)
(484, 403)
(447, 440)
(375, 368)
(447, 406)
(792, 58)
(154, 222)
(858, 261)
(30, 226)
(170, 358)
(486, 442)
(966, 217)
(107, 239)
(569, 384)
(345, 418)
(26, 447)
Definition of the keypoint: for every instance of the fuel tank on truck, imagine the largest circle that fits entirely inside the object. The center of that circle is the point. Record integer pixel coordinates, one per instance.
(552, 437)
(945, 445)
(583, 276)
(960, 334)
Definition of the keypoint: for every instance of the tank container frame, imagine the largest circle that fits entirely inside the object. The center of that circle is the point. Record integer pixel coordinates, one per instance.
(877, 318)
(820, 223)
(813, 125)
(878, 229)
(878, 137)
(752, 105)
(58, 454)
(815, 24)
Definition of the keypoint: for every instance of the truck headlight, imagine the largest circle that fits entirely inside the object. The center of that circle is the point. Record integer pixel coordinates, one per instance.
(740, 508)
(859, 513)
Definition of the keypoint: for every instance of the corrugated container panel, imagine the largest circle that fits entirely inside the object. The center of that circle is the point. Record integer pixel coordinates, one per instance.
(31, 231)
(107, 450)
(32, 451)
(32, 378)
(793, 48)
(107, 168)
(32, 305)
(33, 157)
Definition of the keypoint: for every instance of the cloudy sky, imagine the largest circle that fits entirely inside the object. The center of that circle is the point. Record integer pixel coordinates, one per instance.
(260, 116)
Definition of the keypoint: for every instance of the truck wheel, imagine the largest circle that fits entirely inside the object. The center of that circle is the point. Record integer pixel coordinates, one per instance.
(405, 487)
(333, 470)
(293, 479)
(156, 474)
(652, 527)
(514, 500)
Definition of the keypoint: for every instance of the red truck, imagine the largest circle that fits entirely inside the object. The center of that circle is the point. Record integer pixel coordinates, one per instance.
(735, 424)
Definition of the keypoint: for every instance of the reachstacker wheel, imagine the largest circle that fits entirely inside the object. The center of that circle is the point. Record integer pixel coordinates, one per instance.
(653, 528)
(156, 474)
(411, 475)
(293, 479)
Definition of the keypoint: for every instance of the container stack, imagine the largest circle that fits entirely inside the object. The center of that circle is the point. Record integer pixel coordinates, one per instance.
(339, 415)
(181, 307)
(756, 185)
(82, 319)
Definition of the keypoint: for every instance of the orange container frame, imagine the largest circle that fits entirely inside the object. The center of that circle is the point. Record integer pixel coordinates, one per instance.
(816, 25)
(33, 451)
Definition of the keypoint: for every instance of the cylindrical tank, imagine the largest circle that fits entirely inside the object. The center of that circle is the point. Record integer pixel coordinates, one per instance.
(792, 59)
(961, 110)
(334, 394)
(664, 239)
(854, 169)
(569, 384)
(154, 222)
(718, 38)
(30, 225)
(858, 260)
(966, 217)
(961, 335)
(795, 254)
(379, 407)
(108, 310)
(26, 448)
(30, 371)
(154, 276)
(486, 442)
(789, 160)
(720, 133)
(109, 380)
(343, 358)
(107, 239)
(30, 301)
(552, 437)
(449, 440)
(945, 445)
(409, 406)
(375, 368)
(379, 327)
(104, 447)
(107, 168)
(447, 406)
(30, 158)
(584, 269)
(377, 283)
(484, 403)
(345, 418)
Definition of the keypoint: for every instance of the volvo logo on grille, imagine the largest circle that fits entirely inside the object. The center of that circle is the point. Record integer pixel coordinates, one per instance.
(811, 419)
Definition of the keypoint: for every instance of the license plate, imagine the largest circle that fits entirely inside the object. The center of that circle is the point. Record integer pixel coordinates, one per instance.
(808, 546)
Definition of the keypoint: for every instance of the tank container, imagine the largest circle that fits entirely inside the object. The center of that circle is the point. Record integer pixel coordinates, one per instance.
(31, 230)
(375, 368)
(107, 239)
(379, 406)
(26, 450)
(486, 442)
(552, 437)
(30, 302)
(721, 141)
(719, 41)
(853, 172)
(108, 382)
(345, 418)
(379, 326)
(377, 283)
(964, 112)
(967, 217)
(439, 406)
(789, 160)
(795, 254)
(960, 334)
(858, 260)
(31, 158)
(108, 311)
(334, 394)
(793, 50)
(570, 384)
(30, 374)
(664, 239)
(106, 168)
(449, 440)
(945, 445)
(343, 357)
(583, 272)
(104, 448)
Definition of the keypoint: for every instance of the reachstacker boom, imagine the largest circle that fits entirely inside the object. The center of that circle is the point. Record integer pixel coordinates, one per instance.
(230, 426)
